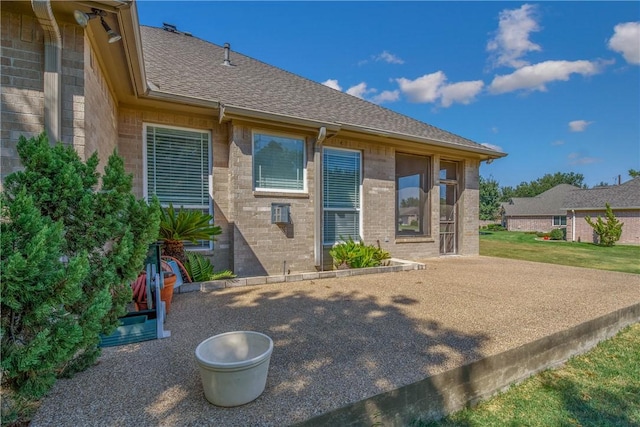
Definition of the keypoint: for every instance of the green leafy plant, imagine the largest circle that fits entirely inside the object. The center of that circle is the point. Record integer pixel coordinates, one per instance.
(557, 234)
(609, 230)
(184, 225)
(221, 275)
(70, 248)
(351, 254)
(199, 268)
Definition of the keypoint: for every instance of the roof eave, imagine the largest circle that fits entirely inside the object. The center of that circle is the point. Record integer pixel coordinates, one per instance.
(228, 112)
(489, 153)
(600, 208)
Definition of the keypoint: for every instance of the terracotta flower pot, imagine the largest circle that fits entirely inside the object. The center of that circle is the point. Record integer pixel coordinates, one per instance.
(166, 293)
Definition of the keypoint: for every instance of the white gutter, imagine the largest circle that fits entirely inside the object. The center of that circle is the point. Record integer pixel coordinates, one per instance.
(241, 112)
(573, 225)
(181, 99)
(52, 68)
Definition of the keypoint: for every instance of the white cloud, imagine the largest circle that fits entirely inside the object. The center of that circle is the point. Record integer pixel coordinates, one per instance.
(433, 87)
(495, 129)
(511, 41)
(461, 92)
(423, 89)
(359, 90)
(388, 57)
(626, 40)
(332, 83)
(579, 159)
(535, 77)
(386, 96)
(493, 147)
(558, 142)
(578, 125)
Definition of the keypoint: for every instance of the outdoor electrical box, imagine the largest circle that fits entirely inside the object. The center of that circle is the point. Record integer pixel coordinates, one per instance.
(280, 213)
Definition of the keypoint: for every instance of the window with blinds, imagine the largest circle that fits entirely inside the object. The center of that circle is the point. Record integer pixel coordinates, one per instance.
(278, 163)
(341, 194)
(178, 167)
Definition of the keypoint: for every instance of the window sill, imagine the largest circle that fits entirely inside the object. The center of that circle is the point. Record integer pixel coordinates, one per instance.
(416, 239)
(280, 194)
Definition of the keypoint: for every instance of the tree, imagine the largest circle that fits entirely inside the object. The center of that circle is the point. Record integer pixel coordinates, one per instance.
(540, 185)
(39, 331)
(489, 198)
(608, 231)
(634, 173)
(105, 226)
(409, 202)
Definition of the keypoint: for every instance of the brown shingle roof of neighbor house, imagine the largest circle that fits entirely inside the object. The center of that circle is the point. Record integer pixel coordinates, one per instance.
(626, 195)
(183, 65)
(551, 202)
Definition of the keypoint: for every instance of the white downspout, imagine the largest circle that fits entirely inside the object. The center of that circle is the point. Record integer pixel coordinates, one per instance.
(573, 225)
(52, 68)
(317, 208)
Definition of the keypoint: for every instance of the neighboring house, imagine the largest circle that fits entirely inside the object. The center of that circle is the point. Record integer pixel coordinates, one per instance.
(542, 213)
(287, 166)
(566, 206)
(624, 200)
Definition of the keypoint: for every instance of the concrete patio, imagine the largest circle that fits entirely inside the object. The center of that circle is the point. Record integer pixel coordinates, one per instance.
(337, 341)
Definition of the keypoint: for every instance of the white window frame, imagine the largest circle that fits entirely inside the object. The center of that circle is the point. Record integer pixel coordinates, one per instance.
(559, 224)
(255, 132)
(358, 210)
(145, 179)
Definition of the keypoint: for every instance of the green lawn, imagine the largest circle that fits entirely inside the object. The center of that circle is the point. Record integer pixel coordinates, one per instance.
(599, 388)
(519, 245)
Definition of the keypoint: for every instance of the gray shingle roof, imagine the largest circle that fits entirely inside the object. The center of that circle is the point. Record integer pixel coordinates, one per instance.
(551, 202)
(183, 65)
(626, 195)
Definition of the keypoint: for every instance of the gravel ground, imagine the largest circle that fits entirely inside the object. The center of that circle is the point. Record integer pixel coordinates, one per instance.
(337, 341)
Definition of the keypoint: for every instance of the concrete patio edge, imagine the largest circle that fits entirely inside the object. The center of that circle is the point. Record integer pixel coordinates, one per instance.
(396, 265)
(447, 392)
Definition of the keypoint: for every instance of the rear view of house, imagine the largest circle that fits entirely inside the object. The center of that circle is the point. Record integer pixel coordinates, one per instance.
(542, 213)
(287, 166)
(566, 206)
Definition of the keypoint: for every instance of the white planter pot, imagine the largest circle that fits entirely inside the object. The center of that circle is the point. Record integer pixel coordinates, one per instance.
(233, 366)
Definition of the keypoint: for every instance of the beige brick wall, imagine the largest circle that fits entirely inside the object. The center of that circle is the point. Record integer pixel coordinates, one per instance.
(130, 147)
(584, 232)
(22, 85)
(98, 111)
(260, 247)
(469, 209)
(531, 223)
(88, 108)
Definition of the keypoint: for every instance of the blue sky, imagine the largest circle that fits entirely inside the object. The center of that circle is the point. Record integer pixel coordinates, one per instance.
(556, 85)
